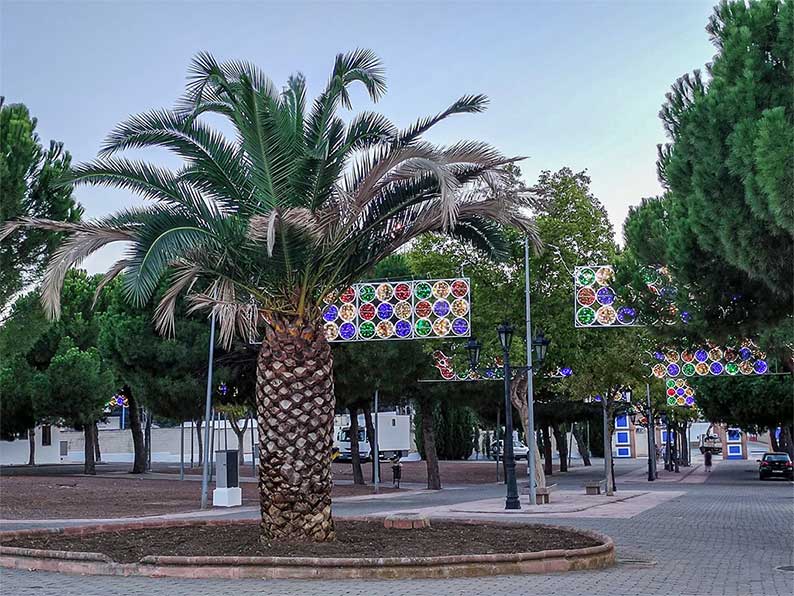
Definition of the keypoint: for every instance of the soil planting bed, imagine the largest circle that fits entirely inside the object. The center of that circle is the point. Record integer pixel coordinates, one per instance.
(354, 539)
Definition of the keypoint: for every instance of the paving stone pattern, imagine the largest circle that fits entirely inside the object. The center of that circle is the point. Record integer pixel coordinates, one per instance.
(722, 537)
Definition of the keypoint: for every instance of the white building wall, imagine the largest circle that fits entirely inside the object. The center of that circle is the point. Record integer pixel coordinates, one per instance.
(17, 452)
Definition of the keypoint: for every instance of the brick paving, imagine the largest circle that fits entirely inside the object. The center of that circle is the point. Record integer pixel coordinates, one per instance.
(722, 537)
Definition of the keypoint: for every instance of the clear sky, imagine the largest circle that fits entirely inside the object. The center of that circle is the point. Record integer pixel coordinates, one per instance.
(571, 83)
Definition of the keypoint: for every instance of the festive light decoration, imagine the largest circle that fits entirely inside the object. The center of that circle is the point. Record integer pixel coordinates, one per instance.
(416, 309)
(494, 372)
(597, 305)
(679, 393)
(709, 360)
(119, 401)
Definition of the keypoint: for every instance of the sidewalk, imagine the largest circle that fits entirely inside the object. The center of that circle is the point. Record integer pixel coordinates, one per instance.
(695, 474)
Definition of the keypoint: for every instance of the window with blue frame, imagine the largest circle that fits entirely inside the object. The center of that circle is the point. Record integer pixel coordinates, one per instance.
(734, 435)
(623, 452)
(622, 421)
(622, 437)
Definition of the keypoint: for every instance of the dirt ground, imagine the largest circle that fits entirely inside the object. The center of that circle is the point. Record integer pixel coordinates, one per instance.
(354, 539)
(123, 495)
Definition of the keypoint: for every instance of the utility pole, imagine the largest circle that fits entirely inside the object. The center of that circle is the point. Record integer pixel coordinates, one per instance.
(531, 442)
(207, 418)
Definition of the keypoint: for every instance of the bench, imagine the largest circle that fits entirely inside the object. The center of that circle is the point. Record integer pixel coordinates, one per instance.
(542, 494)
(595, 487)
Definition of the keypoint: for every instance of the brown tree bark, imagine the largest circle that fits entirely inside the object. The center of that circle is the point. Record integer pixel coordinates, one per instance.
(429, 444)
(581, 445)
(139, 457)
(518, 396)
(355, 456)
(97, 452)
(89, 466)
(32, 446)
(787, 439)
(295, 409)
(547, 455)
(239, 432)
(370, 426)
(562, 446)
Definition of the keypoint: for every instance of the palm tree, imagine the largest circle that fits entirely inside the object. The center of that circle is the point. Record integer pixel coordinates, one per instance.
(297, 205)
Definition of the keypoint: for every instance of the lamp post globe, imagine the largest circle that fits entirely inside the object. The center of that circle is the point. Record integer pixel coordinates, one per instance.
(473, 348)
(505, 331)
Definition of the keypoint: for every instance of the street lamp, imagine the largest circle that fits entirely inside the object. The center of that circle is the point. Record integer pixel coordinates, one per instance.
(505, 333)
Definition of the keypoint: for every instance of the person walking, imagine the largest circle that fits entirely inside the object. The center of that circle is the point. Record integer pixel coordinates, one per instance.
(707, 460)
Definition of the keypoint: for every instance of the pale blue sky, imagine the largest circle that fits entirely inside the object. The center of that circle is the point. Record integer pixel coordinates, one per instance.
(571, 82)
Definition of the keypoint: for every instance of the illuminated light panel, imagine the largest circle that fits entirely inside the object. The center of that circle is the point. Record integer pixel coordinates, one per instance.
(420, 309)
(679, 393)
(494, 372)
(710, 360)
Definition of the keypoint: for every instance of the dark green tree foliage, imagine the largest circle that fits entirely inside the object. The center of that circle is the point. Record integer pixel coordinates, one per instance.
(455, 427)
(726, 223)
(28, 188)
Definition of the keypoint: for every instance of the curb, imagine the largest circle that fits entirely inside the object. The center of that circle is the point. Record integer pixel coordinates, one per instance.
(231, 567)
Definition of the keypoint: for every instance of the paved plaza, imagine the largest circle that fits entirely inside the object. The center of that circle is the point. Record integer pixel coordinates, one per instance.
(724, 535)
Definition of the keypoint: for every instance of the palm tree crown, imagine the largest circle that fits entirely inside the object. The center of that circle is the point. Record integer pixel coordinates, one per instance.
(300, 203)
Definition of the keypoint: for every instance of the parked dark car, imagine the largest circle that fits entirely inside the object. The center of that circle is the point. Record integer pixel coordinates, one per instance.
(775, 464)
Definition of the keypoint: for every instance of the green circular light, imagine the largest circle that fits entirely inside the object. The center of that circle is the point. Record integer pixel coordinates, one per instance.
(586, 277)
(423, 327)
(670, 401)
(732, 368)
(422, 290)
(670, 383)
(367, 329)
(585, 316)
(366, 293)
(688, 369)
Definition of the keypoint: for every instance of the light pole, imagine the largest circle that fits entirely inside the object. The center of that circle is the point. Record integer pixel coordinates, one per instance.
(651, 436)
(505, 333)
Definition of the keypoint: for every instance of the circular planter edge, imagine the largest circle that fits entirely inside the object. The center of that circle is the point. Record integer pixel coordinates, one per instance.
(231, 567)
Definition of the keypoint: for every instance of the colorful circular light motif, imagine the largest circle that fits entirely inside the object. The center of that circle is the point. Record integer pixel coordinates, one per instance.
(441, 289)
(671, 401)
(402, 310)
(688, 369)
(460, 307)
(680, 400)
(441, 327)
(701, 355)
(673, 370)
(745, 353)
(585, 316)
(586, 296)
(716, 368)
(586, 277)
(384, 292)
(384, 329)
(441, 308)
(760, 367)
(330, 313)
(605, 296)
(606, 315)
(367, 311)
(347, 312)
(604, 275)
(331, 331)
(715, 354)
(366, 293)
(690, 401)
(423, 327)
(732, 368)
(402, 291)
(460, 288)
(422, 290)
(460, 326)
(687, 356)
(659, 370)
(385, 311)
(626, 315)
(672, 356)
(702, 368)
(367, 329)
(331, 297)
(347, 331)
(423, 309)
(348, 295)
(746, 367)
(402, 328)
(731, 355)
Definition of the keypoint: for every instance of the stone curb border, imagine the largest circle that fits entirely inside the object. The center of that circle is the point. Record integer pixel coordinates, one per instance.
(205, 567)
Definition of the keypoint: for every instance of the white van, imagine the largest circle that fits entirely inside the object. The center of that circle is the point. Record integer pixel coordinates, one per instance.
(394, 435)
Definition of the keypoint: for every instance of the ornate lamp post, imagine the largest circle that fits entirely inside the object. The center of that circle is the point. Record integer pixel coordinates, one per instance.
(541, 344)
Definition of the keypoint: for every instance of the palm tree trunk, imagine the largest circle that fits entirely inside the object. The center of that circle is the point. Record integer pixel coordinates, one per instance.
(32, 448)
(295, 407)
(88, 433)
(355, 456)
